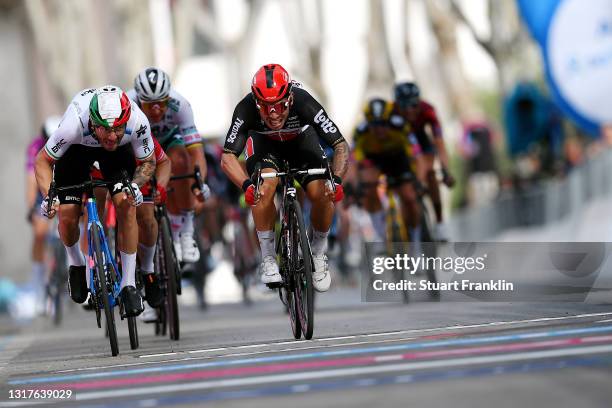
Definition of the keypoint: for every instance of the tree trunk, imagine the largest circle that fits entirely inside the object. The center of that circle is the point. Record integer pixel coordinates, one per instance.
(444, 27)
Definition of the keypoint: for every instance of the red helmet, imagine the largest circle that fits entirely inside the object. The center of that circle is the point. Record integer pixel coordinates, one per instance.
(271, 83)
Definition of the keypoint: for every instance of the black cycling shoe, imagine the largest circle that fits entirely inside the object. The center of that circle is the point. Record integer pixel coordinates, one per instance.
(77, 283)
(153, 292)
(131, 301)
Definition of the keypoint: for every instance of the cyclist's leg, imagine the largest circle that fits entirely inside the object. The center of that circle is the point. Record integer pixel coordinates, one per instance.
(73, 168)
(306, 152)
(40, 230)
(112, 164)
(147, 241)
(433, 186)
(181, 202)
(368, 176)
(264, 213)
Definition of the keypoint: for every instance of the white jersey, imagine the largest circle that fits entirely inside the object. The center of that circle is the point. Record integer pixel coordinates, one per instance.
(179, 113)
(74, 129)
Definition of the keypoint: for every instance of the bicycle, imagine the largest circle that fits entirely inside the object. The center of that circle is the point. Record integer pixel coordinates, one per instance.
(105, 276)
(167, 267)
(293, 251)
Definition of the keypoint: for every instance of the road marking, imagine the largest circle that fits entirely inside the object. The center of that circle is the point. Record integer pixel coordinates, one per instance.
(327, 364)
(342, 372)
(390, 333)
(311, 355)
(605, 321)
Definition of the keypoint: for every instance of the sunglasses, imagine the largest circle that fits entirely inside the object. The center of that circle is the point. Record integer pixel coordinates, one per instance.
(162, 103)
(278, 107)
(119, 130)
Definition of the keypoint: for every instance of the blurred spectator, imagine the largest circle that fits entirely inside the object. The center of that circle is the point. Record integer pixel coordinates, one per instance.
(533, 128)
(481, 168)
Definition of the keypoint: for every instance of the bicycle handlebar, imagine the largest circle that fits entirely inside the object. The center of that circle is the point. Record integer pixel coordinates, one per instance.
(310, 172)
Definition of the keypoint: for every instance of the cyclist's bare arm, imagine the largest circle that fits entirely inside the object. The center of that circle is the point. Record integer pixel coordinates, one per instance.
(163, 171)
(232, 168)
(341, 158)
(196, 153)
(43, 168)
(31, 189)
(442, 153)
(144, 170)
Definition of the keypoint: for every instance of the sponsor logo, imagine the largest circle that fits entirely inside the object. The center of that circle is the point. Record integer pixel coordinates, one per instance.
(326, 124)
(58, 146)
(141, 131)
(72, 198)
(117, 187)
(234, 133)
(88, 91)
(145, 146)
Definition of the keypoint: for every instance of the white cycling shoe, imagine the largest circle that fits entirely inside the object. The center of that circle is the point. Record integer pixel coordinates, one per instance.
(269, 271)
(189, 248)
(321, 278)
(149, 314)
(178, 250)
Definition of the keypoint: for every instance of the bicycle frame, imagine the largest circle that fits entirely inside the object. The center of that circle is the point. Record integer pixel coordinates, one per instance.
(92, 217)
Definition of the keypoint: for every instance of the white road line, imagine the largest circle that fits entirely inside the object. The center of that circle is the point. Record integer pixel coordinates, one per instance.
(298, 348)
(250, 353)
(604, 321)
(391, 333)
(343, 372)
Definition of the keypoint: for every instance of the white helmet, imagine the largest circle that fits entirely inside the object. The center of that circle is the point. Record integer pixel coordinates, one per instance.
(152, 84)
(50, 125)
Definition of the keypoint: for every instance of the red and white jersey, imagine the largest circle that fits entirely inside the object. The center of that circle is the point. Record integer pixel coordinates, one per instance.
(74, 129)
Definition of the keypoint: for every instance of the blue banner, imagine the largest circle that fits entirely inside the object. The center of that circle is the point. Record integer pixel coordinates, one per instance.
(576, 41)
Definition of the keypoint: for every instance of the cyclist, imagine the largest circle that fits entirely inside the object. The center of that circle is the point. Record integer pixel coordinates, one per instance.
(40, 225)
(172, 125)
(148, 229)
(425, 124)
(383, 143)
(279, 120)
(100, 125)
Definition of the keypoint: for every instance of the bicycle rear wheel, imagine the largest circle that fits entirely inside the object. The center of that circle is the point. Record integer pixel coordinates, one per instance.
(102, 289)
(302, 267)
(170, 268)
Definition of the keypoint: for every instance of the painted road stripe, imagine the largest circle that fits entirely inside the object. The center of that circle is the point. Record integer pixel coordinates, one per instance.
(312, 355)
(332, 385)
(341, 372)
(326, 364)
(390, 333)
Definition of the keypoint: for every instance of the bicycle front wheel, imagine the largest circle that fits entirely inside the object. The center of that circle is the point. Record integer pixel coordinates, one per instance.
(301, 266)
(102, 289)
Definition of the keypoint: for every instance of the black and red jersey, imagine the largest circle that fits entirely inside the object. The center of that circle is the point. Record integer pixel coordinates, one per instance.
(305, 112)
(426, 117)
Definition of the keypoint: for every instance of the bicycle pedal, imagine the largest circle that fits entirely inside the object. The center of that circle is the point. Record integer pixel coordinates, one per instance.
(274, 285)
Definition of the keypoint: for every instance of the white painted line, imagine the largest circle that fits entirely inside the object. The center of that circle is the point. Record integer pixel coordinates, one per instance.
(391, 333)
(343, 372)
(604, 321)
(384, 359)
(300, 348)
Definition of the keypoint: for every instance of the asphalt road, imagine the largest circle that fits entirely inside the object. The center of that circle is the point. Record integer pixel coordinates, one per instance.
(363, 355)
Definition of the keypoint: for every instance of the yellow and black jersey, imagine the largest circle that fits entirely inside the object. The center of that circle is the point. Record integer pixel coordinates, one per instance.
(389, 136)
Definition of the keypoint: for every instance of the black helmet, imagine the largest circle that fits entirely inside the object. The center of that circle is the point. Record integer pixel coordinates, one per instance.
(407, 93)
